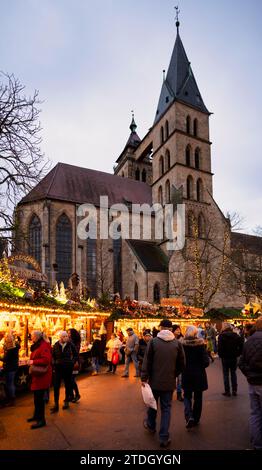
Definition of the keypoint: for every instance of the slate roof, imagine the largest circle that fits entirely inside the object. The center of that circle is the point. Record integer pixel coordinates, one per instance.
(180, 83)
(82, 185)
(251, 243)
(150, 255)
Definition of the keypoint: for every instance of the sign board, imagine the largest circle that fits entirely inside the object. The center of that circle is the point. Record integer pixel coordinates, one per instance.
(176, 302)
(27, 274)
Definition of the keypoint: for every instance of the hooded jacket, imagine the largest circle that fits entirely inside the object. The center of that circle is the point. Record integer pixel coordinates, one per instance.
(194, 377)
(164, 360)
(230, 345)
(250, 362)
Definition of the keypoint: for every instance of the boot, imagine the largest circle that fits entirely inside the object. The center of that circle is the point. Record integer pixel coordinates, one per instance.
(30, 420)
(66, 405)
(38, 424)
(55, 409)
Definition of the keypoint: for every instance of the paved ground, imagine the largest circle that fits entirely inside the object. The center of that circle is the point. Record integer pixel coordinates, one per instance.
(110, 414)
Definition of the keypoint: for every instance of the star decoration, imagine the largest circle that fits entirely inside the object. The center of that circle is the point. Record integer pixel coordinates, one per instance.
(22, 378)
(256, 308)
(248, 306)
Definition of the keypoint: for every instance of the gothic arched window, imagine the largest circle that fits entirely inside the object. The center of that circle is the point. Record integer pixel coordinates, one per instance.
(167, 129)
(162, 137)
(199, 190)
(160, 195)
(195, 125)
(144, 176)
(188, 124)
(137, 174)
(188, 155)
(168, 192)
(197, 158)
(91, 265)
(167, 158)
(136, 291)
(157, 293)
(189, 187)
(161, 166)
(63, 249)
(35, 238)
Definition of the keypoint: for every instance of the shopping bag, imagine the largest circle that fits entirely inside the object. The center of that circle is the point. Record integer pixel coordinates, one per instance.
(115, 358)
(148, 397)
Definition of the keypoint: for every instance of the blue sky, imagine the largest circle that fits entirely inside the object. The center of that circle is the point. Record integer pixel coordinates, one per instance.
(93, 62)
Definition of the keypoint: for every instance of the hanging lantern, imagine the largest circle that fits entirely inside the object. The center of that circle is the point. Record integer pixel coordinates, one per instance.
(102, 330)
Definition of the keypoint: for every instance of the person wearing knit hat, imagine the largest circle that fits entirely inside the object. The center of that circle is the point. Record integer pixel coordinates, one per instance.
(164, 360)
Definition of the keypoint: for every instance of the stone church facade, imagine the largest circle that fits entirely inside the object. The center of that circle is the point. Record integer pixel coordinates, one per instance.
(175, 152)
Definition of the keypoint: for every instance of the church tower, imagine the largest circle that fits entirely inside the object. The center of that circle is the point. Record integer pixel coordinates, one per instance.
(182, 154)
(126, 164)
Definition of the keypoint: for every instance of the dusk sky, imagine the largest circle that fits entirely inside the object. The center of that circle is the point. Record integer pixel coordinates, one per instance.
(95, 61)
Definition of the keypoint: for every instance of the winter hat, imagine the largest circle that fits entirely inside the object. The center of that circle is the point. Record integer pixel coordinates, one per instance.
(166, 324)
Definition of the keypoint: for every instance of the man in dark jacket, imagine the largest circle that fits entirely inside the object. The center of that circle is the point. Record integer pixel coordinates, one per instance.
(64, 357)
(229, 348)
(164, 360)
(95, 353)
(250, 364)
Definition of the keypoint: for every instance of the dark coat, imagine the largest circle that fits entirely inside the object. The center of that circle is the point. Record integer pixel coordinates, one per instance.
(141, 349)
(164, 360)
(41, 356)
(250, 363)
(11, 359)
(96, 348)
(194, 377)
(66, 357)
(230, 345)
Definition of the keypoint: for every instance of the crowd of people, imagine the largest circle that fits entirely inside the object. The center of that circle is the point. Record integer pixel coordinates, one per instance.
(164, 358)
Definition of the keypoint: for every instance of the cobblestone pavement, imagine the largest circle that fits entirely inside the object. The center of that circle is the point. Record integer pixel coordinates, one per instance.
(110, 416)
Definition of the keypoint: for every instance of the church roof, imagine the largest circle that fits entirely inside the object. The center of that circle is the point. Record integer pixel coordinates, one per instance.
(82, 185)
(251, 243)
(150, 255)
(180, 83)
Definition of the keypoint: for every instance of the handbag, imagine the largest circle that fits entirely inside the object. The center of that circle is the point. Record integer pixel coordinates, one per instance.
(38, 370)
(115, 358)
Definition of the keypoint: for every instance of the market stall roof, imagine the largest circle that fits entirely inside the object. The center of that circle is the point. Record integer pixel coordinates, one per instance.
(150, 255)
(82, 185)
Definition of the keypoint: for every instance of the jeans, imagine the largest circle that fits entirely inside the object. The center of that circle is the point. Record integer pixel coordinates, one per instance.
(39, 401)
(229, 365)
(65, 374)
(74, 387)
(179, 384)
(193, 411)
(112, 367)
(10, 383)
(133, 357)
(214, 342)
(95, 364)
(255, 395)
(165, 403)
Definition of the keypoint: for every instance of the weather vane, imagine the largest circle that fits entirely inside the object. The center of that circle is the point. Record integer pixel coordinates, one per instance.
(177, 16)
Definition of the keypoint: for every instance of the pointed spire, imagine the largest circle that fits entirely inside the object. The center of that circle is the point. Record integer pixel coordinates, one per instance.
(133, 125)
(177, 18)
(179, 82)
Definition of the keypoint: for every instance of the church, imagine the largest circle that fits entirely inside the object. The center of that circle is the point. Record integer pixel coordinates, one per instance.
(216, 267)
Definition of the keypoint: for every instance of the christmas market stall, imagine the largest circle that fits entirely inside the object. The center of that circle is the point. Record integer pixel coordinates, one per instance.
(24, 308)
(143, 315)
(23, 319)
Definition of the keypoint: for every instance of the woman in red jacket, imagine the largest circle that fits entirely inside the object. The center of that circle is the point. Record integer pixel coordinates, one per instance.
(41, 378)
